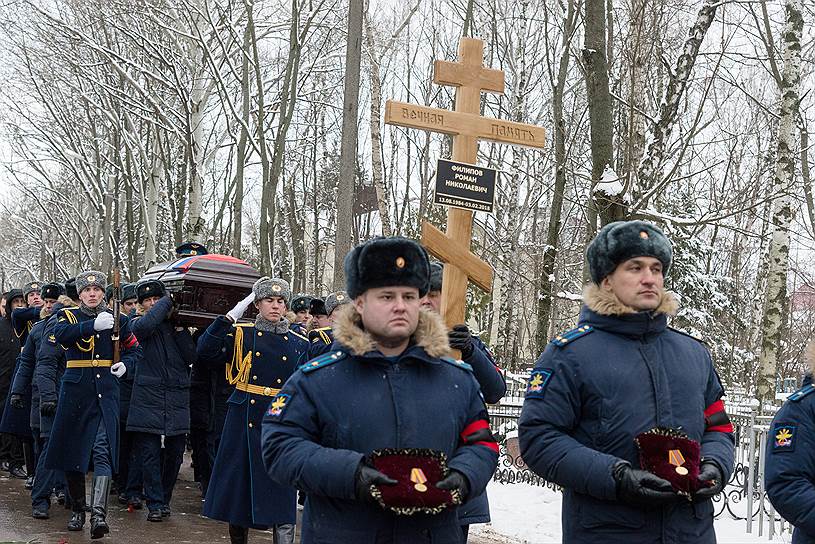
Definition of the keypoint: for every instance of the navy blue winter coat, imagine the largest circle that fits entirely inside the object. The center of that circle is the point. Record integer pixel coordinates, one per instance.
(328, 417)
(17, 421)
(9, 350)
(49, 370)
(240, 491)
(592, 392)
(23, 319)
(493, 388)
(789, 470)
(160, 401)
(89, 392)
(23, 379)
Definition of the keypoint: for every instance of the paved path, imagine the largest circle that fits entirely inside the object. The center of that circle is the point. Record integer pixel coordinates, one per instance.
(184, 526)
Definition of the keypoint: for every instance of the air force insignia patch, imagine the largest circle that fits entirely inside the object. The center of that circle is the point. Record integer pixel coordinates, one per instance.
(783, 438)
(538, 381)
(278, 405)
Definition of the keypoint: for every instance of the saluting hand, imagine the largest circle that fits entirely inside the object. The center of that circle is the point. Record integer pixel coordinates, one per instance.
(103, 322)
(118, 369)
(240, 308)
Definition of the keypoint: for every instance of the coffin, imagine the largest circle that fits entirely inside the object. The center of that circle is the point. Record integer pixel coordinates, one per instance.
(205, 286)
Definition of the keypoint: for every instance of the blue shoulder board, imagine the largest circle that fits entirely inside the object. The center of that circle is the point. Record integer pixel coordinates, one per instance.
(801, 393)
(564, 338)
(322, 361)
(456, 362)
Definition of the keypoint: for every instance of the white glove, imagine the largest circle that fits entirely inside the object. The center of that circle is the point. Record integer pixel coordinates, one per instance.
(240, 308)
(103, 322)
(118, 369)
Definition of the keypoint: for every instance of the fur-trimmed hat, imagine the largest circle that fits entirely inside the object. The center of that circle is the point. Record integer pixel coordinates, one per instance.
(70, 288)
(128, 291)
(51, 290)
(622, 240)
(89, 278)
(267, 287)
(11, 295)
(336, 299)
(436, 275)
(300, 303)
(387, 262)
(317, 307)
(149, 288)
(30, 287)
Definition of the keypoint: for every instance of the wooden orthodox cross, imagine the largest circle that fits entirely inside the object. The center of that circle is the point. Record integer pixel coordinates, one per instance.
(467, 127)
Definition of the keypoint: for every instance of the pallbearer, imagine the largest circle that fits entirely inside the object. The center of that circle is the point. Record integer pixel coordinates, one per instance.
(259, 358)
(87, 419)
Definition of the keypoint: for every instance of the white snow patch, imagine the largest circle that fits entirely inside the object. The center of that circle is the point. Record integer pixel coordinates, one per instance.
(609, 183)
(527, 514)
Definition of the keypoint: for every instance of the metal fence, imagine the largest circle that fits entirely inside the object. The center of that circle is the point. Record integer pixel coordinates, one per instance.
(743, 498)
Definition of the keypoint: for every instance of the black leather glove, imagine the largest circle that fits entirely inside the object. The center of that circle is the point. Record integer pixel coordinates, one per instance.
(640, 487)
(48, 408)
(367, 476)
(462, 339)
(455, 480)
(16, 401)
(709, 472)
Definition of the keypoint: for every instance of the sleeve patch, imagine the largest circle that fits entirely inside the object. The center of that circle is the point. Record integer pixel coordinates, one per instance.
(538, 381)
(279, 405)
(52, 339)
(784, 438)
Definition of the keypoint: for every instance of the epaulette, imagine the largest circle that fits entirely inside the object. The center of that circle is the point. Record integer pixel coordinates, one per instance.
(801, 393)
(458, 363)
(298, 335)
(683, 333)
(564, 338)
(323, 360)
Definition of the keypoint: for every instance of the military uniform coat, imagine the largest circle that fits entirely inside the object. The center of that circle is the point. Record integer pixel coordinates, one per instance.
(240, 491)
(319, 342)
(345, 404)
(789, 470)
(17, 421)
(9, 350)
(87, 394)
(593, 391)
(49, 370)
(160, 401)
(24, 378)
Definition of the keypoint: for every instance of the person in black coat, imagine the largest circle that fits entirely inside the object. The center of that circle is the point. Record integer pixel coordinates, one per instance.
(11, 452)
(160, 403)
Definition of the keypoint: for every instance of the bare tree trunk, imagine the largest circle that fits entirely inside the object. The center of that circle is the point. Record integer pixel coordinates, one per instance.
(607, 207)
(348, 145)
(649, 173)
(784, 211)
(240, 153)
(550, 250)
(376, 135)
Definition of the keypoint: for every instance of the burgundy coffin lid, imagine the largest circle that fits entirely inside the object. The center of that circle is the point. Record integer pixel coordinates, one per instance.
(205, 286)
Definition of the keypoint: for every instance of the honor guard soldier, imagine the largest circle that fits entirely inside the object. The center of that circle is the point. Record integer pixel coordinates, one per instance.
(24, 318)
(11, 453)
(259, 358)
(299, 307)
(160, 404)
(493, 384)
(190, 249)
(621, 374)
(789, 472)
(86, 425)
(320, 339)
(24, 385)
(388, 384)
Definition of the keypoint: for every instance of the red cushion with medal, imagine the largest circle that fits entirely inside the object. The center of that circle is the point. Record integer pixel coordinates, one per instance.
(671, 455)
(416, 471)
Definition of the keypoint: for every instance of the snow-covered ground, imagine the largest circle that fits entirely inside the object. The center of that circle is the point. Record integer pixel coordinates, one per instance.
(525, 514)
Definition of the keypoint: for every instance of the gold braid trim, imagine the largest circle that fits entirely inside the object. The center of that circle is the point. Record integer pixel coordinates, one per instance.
(89, 343)
(244, 364)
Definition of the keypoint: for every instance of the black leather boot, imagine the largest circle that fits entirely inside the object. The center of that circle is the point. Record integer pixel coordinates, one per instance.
(99, 506)
(238, 535)
(76, 492)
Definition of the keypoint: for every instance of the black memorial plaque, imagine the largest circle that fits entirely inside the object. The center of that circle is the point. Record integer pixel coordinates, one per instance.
(467, 186)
